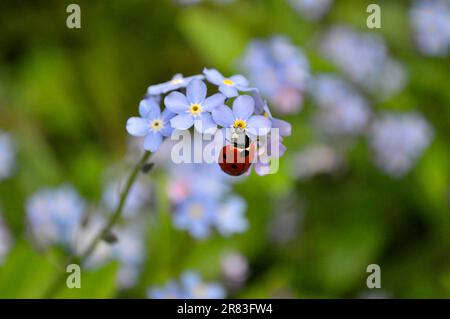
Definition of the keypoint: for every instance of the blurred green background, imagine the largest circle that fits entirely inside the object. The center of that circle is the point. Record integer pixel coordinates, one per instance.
(65, 95)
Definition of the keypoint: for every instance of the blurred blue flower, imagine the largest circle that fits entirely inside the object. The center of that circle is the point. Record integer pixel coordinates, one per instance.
(191, 286)
(364, 58)
(139, 195)
(231, 86)
(189, 179)
(341, 110)
(195, 288)
(7, 155)
(5, 240)
(196, 215)
(279, 70)
(316, 159)
(430, 20)
(55, 215)
(153, 125)
(177, 82)
(194, 108)
(129, 250)
(230, 217)
(170, 291)
(398, 140)
(311, 9)
(242, 118)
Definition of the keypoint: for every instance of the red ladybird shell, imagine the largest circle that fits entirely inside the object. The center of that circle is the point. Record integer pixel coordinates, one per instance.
(236, 161)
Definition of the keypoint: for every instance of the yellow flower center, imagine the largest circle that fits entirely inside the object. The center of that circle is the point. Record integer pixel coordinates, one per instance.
(266, 115)
(195, 109)
(240, 124)
(228, 82)
(196, 211)
(156, 125)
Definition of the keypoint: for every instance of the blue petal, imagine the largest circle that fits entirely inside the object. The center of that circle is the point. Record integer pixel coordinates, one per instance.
(152, 141)
(148, 108)
(284, 127)
(137, 126)
(213, 101)
(239, 80)
(196, 91)
(262, 169)
(200, 230)
(176, 102)
(213, 76)
(157, 89)
(167, 115)
(182, 121)
(229, 91)
(258, 125)
(223, 116)
(166, 130)
(205, 124)
(243, 107)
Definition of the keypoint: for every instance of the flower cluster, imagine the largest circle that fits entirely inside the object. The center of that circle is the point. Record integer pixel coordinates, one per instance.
(398, 140)
(280, 70)
(311, 9)
(191, 286)
(203, 201)
(5, 240)
(195, 108)
(341, 109)
(430, 20)
(375, 70)
(7, 155)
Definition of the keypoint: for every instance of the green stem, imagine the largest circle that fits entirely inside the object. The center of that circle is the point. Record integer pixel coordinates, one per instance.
(54, 287)
(118, 212)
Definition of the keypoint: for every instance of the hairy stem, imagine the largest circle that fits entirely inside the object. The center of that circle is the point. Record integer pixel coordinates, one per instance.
(118, 212)
(105, 230)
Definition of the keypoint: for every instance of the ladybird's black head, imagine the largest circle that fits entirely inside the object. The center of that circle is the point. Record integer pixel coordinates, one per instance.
(242, 141)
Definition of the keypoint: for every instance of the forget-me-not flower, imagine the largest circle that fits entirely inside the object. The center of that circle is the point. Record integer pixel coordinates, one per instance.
(5, 240)
(279, 70)
(196, 288)
(7, 155)
(311, 9)
(242, 118)
(230, 218)
(228, 86)
(153, 125)
(55, 215)
(398, 140)
(196, 215)
(177, 82)
(194, 108)
(169, 291)
(190, 286)
(430, 21)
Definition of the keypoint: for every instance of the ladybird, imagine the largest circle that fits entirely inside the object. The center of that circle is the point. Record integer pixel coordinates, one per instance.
(235, 159)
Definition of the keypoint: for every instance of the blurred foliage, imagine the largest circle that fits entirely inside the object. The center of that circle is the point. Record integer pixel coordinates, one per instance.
(66, 94)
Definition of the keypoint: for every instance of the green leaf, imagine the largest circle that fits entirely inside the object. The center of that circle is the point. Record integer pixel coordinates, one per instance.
(25, 273)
